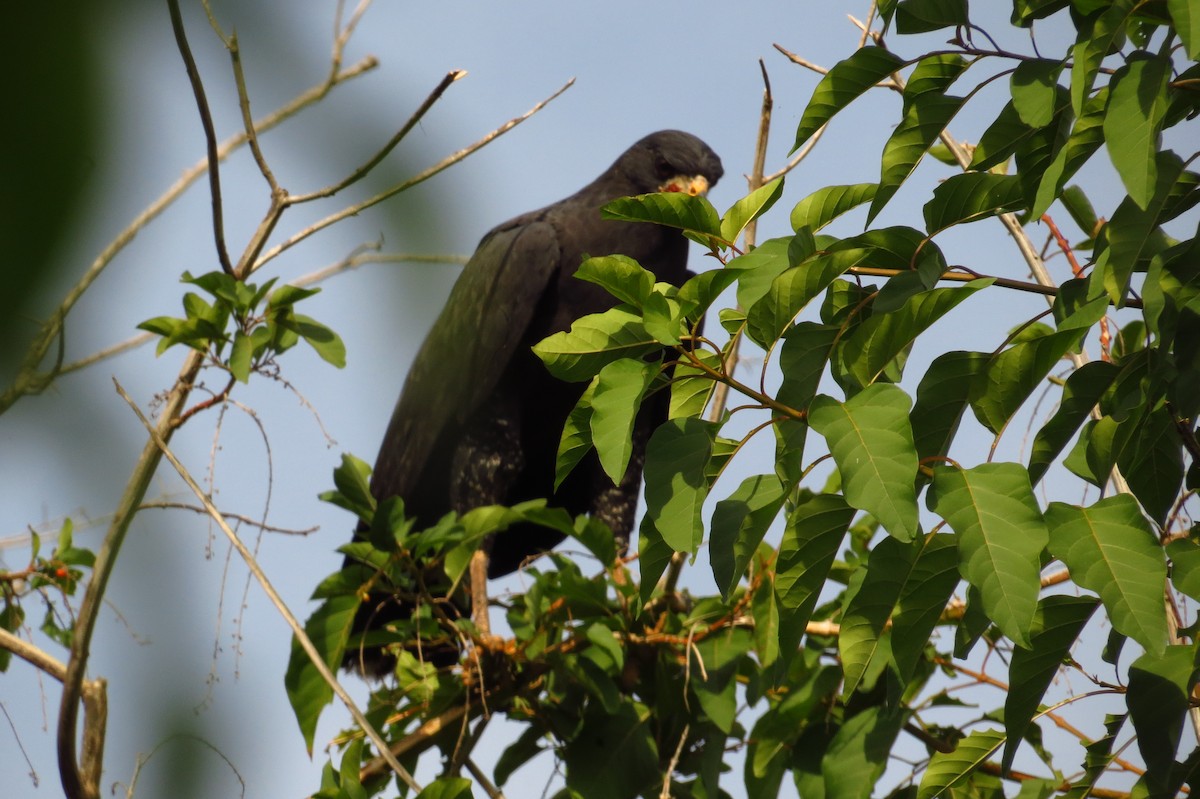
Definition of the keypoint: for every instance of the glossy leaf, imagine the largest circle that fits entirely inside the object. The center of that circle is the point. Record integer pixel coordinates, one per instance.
(825, 205)
(757, 270)
(814, 533)
(922, 122)
(620, 276)
(593, 342)
(691, 386)
(947, 769)
(869, 601)
(970, 197)
(749, 208)
(871, 442)
(308, 692)
(1081, 392)
(882, 338)
(1086, 137)
(739, 523)
(1110, 549)
(844, 82)
(616, 400)
(1034, 86)
(793, 290)
(672, 209)
(1001, 535)
(942, 396)
(858, 753)
(1097, 38)
(930, 583)
(1015, 373)
(676, 484)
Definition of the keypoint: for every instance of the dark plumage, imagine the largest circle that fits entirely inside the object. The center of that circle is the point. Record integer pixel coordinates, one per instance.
(479, 419)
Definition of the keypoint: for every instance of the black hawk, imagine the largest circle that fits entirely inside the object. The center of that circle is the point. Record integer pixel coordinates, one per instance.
(479, 418)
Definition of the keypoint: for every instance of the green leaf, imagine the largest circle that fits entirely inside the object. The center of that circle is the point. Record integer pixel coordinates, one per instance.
(447, 788)
(616, 758)
(576, 438)
(593, 342)
(1056, 625)
(739, 523)
(1185, 566)
(288, 295)
(1152, 462)
(240, 356)
(814, 533)
(308, 692)
(948, 769)
(352, 480)
(1013, 375)
(664, 319)
(691, 386)
(1001, 535)
(922, 16)
(1137, 104)
(757, 269)
(616, 400)
(672, 209)
(928, 588)
(518, 753)
(869, 601)
(842, 85)
(1159, 688)
(749, 208)
(933, 74)
(1110, 549)
(971, 196)
(927, 117)
(1186, 16)
(791, 291)
(942, 396)
(1001, 139)
(1132, 231)
(882, 338)
(871, 442)
(676, 484)
(1086, 137)
(825, 205)
(858, 753)
(1103, 36)
(1081, 392)
(1034, 86)
(1026, 11)
(620, 276)
(322, 339)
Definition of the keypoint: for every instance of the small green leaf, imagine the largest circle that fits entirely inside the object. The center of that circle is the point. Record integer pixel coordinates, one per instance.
(871, 442)
(757, 269)
(1185, 566)
(620, 276)
(868, 605)
(791, 291)
(1001, 535)
(1000, 139)
(859, 752)
(289, 295)
(814, 533)
(825, 205)
(447, 788)
(576, 438)
(928, 588)
(691, 386)
(352, 479)
(616, 401)
(933, 74)
(749, 208)
(322, 339)
(922, 16)
(1081, 392)
(1186, 16)
(942, 396)
(1086, 137)
(1015, 373)
(1104, 35)
(842, 85)
(240, 356)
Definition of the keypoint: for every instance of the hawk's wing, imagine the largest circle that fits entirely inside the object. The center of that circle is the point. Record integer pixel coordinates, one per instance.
(471, 344)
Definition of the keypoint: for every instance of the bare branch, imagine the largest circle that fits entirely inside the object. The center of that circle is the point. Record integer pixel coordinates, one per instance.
(210, 133)
(239, 517)
(306, 644)
(412, 122)
(421, 177)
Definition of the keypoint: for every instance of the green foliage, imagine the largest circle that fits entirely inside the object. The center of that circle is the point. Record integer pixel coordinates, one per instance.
(839, 613)
(241, 336)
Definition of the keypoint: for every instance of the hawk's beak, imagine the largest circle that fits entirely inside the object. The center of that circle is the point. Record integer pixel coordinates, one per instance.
(695, 185)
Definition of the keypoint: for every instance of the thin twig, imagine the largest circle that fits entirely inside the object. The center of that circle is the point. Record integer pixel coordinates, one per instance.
(210, 133)
(413, 121)
(421, 177)
(297, 628)
(237, 516)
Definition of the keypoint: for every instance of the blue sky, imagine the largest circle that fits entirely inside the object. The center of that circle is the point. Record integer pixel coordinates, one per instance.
(185, 645)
